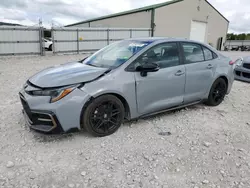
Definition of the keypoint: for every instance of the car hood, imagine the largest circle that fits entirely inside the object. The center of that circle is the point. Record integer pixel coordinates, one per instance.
(66, 74)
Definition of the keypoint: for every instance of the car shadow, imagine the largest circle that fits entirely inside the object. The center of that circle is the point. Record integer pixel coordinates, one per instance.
(175, 111)
(71, 134)
(41, 137)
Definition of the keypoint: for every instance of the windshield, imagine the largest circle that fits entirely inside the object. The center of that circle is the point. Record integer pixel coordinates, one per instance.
(116, 54)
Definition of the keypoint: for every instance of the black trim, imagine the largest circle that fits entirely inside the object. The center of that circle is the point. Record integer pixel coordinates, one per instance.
(89, 101)
(181, 54)
(169, 109)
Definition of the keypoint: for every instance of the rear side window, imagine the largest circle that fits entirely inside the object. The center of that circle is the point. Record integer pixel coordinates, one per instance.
(192, 52)
(215, 55)
(208, 54)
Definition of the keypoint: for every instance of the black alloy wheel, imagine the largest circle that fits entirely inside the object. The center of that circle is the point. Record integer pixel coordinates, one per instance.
(217, 92)
(103, 116)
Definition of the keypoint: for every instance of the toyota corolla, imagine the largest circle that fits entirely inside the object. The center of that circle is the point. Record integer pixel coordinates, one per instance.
(128, 79)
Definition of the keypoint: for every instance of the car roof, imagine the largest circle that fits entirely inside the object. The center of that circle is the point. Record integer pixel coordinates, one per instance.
(163, 39)
(154, 40)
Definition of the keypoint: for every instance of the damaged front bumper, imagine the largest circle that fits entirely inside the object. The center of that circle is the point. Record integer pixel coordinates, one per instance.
(40, 120)
(242, 74)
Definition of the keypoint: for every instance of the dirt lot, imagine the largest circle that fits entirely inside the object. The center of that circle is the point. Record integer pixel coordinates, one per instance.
(205, 146)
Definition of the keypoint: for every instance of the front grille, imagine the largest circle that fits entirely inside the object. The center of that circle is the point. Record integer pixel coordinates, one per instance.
(237, 73)
(247, 66)
(246, 75)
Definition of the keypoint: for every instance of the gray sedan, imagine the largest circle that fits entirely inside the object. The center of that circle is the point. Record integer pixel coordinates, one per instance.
(242, 69)
(128, 79)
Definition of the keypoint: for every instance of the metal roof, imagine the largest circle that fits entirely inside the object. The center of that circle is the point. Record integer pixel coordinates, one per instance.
(129, 12)
(147, 8)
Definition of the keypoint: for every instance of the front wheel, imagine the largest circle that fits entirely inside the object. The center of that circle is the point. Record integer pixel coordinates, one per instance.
(103, 116)
(217, 92)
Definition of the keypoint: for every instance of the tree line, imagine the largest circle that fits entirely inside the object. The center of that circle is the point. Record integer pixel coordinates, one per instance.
(242, 36)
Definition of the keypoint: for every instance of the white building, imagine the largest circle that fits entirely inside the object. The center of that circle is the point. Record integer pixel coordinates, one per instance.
(193, 19)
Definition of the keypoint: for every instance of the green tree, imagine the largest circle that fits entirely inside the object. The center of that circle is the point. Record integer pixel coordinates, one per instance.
(242, 36)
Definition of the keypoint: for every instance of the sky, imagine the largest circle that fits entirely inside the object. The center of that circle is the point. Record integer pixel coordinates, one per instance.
(63, 12)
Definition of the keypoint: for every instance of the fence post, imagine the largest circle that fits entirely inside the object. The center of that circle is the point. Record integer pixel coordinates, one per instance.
(77, 34)
(53, 40)
(107, 36)
(41, 41)
(131, 33)
(43, 47)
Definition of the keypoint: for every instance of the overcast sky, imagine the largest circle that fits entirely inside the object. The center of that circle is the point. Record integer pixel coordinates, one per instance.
(62, 12)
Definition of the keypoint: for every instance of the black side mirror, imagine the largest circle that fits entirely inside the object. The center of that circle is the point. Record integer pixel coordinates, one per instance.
(147, 67)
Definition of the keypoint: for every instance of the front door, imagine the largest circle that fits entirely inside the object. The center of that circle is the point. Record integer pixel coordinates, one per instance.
(200, 68)
(164, 88)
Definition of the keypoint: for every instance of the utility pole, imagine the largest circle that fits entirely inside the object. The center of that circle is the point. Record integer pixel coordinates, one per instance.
(40, 22)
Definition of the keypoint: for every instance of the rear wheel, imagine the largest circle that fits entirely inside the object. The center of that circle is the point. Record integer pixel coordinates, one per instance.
(217, 92)
(103, 116)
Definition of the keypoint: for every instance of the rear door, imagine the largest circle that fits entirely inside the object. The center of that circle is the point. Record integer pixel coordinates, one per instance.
(200, 68)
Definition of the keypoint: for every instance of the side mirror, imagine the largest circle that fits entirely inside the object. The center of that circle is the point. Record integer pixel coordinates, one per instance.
(147, 67)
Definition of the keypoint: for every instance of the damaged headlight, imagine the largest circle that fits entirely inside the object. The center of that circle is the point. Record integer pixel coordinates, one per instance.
(55, 94)
(239, 62)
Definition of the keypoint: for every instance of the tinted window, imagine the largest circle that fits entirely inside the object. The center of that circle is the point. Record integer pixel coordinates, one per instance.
(207, 53)
(165, 55)
(215, 55)
(192, 52)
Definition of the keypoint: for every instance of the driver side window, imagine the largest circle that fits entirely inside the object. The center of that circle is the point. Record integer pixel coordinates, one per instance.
(165, 55)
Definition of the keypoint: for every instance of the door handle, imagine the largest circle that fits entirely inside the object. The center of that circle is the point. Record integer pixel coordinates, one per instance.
(210, 66)
(179, 73)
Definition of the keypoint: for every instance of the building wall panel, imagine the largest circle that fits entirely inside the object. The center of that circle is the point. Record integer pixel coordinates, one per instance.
(175, 20)
(135, 20)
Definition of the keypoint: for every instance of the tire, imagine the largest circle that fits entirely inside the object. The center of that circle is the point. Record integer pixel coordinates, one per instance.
(103, 116)
(217, 92)
(50, 47)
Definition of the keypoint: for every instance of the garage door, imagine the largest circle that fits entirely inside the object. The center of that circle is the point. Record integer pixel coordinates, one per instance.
(198, 31)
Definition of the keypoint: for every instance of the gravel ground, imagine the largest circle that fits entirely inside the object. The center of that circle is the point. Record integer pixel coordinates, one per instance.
(194, 147)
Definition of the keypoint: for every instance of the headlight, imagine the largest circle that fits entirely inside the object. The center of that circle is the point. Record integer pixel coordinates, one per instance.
(239, 62)
(55, 94)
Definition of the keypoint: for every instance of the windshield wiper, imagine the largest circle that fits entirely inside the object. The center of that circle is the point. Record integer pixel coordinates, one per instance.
(92, 65)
